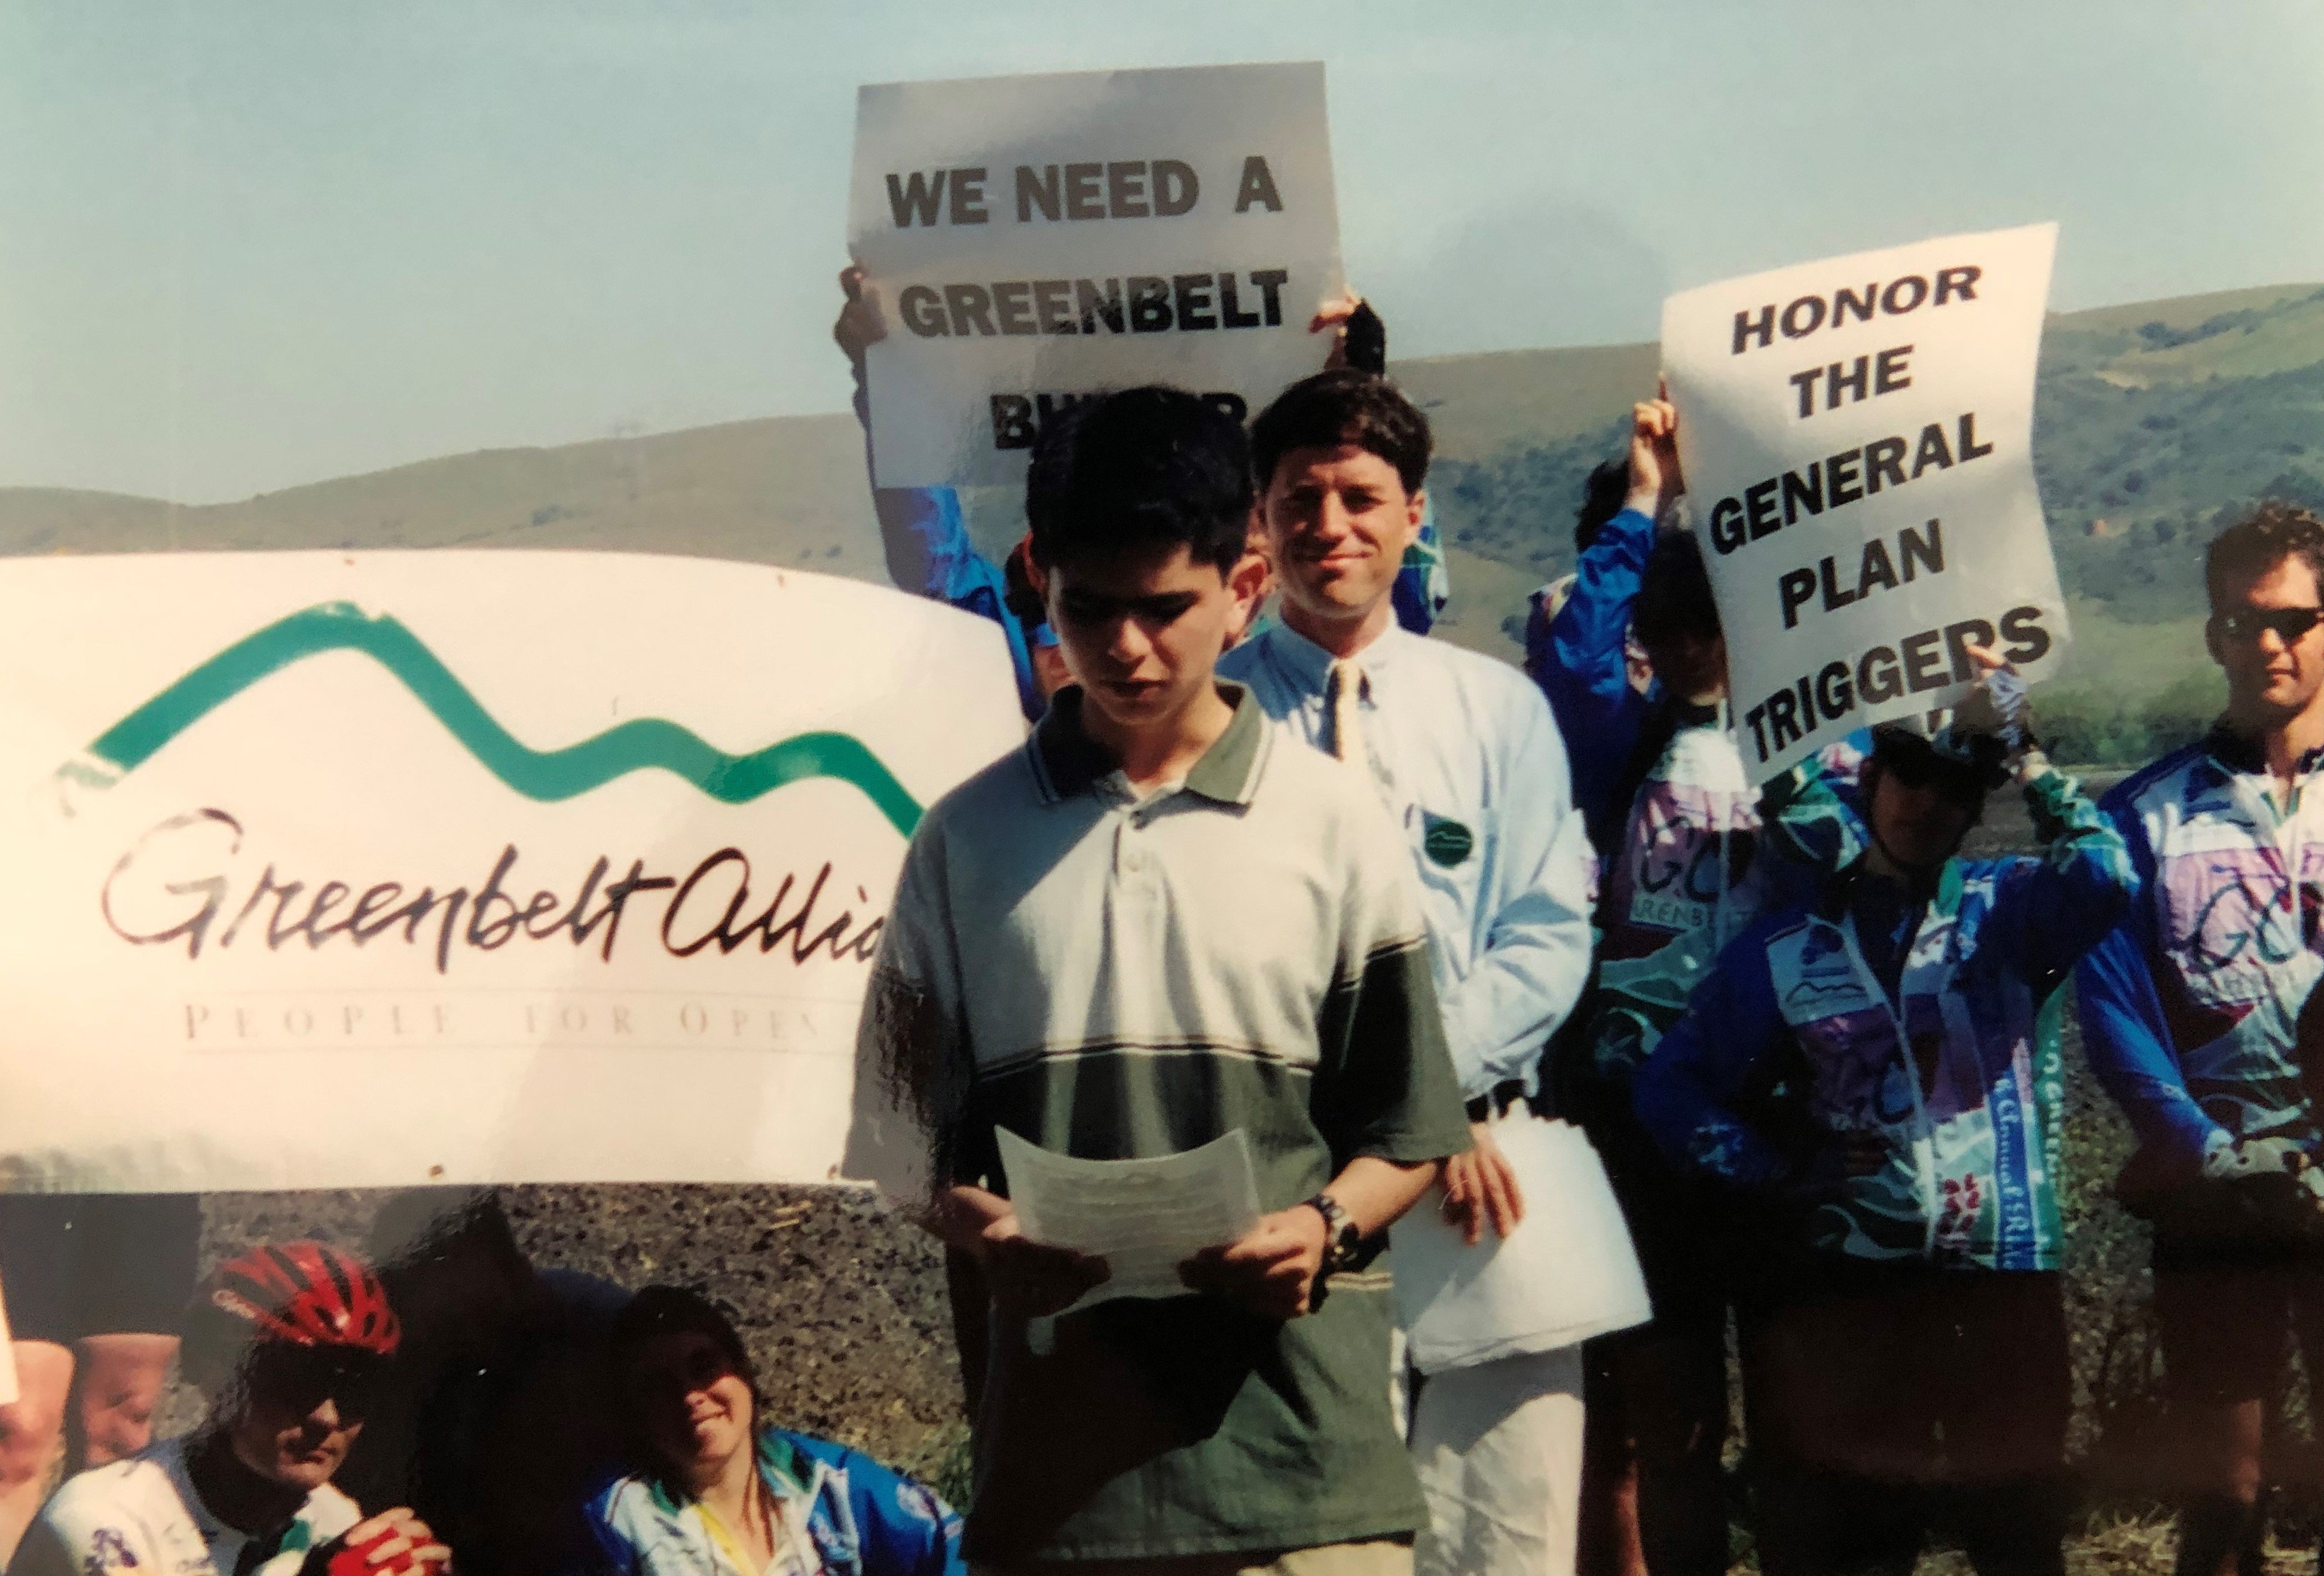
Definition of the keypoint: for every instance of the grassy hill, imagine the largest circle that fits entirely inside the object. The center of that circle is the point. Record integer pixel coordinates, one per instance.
(777, 491)
(2153, 420)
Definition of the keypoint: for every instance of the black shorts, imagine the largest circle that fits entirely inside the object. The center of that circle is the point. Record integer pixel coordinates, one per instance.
(2227, 1315)
(1679, 1225)
(1899, 1371)
(74, 1264)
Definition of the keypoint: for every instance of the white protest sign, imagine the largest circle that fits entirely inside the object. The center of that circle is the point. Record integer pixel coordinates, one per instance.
(339, 869)
(1857, 436)
(1031, 239)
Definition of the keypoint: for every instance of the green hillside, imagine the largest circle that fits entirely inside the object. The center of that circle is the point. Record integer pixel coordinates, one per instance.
(2153, 419)
(787, 490)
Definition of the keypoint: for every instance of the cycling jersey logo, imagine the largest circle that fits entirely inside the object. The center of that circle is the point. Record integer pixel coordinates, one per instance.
(108, 1551)
(2235, 908)
(547, 777)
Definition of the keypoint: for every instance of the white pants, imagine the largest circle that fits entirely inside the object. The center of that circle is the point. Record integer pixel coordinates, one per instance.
(1498, 1451)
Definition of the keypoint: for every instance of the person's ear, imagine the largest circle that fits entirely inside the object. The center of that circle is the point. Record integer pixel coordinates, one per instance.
(1247, 584)
(2211, 642)
(1037, 577)
(1416, 508)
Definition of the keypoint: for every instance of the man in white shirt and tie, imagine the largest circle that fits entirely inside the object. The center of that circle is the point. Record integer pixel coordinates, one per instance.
(1465, 754)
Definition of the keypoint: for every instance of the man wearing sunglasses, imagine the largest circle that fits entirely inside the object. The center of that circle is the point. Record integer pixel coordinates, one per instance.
(1867, 1076)
(289, 1344)
(2196, 1013)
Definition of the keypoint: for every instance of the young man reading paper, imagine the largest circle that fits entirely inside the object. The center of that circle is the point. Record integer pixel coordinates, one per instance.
(1156, 924)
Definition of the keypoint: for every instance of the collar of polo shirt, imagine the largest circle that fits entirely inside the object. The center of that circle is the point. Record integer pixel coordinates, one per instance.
(1066, 761)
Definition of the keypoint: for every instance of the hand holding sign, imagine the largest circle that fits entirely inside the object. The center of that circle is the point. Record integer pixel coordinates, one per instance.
(860, 325)
(1655, 478)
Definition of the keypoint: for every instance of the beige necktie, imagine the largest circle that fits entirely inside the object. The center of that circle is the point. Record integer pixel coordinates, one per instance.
(1342, 691)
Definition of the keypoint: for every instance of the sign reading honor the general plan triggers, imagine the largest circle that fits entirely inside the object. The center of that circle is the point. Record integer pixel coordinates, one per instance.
(1031, 240)
(1857, 436)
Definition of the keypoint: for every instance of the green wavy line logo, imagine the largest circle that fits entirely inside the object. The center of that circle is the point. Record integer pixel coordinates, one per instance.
(548, 776)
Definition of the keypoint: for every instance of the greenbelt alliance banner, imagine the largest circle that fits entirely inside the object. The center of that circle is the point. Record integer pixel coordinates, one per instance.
(335, 869)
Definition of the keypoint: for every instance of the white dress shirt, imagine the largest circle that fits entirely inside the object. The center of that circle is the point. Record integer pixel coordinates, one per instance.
(1465, 754)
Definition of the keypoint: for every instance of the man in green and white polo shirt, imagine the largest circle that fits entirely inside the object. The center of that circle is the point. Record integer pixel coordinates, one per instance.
(1157, 923)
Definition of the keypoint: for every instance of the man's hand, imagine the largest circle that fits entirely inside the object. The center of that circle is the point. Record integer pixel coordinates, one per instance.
(2000, 708)
(1331, 318)
(1481, 1188)
(1035, 1279)
(394, 1542)
(1654, 478)
(859, 324)
(1025, 1278)
(1271, 1270)
(1358, 337)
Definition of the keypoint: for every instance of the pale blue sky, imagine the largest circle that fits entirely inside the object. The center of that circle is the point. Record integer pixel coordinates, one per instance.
(246, 244)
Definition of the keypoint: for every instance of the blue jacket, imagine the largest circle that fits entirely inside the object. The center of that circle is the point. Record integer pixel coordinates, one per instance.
(861, 1518)
(1936, 1064)
(1577, 657)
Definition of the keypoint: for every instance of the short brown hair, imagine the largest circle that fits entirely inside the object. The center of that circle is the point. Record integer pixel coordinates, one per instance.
(2252, 547)
(1342, 406)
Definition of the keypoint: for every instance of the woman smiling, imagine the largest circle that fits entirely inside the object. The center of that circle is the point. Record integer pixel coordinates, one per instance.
(716, 1490)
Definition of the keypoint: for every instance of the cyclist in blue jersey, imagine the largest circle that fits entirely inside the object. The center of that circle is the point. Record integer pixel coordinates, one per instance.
(715, 1489)
(2198, 1016)
(1867, 1076)
(925, 530)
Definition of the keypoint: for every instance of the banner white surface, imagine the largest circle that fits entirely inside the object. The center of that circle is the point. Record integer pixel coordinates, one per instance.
(1856, 435)
(334, 869)
(1034, 238)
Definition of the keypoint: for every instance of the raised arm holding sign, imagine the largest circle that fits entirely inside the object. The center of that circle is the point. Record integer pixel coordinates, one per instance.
(1857, 440)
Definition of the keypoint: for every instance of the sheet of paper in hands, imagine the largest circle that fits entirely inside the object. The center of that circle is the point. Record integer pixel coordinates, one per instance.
(1567, 1271)
(1144, 1218)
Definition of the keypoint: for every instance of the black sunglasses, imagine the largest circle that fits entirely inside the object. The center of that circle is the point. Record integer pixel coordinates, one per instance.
(301, 1376)
(2290, 623)
(1958, 781)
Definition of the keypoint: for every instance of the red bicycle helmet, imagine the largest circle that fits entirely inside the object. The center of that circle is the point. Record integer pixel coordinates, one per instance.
(308, 1293)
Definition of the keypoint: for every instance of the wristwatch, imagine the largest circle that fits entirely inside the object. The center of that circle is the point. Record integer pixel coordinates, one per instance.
(1342, 1240)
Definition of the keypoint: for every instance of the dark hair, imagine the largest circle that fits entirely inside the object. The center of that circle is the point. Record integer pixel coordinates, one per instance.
(1145, 469)
(659, 1311)
(1603, 495)
(1675, 606)
(1018, 595)
(1343, 406)
(2251, 548)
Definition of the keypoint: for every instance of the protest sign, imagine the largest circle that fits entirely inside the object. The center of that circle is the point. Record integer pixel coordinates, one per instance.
(1034, 239)
(1857, 436)
(344, 869)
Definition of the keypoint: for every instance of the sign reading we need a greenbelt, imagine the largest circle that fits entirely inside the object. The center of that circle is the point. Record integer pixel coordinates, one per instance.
(1032, 240)
(371, 869)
